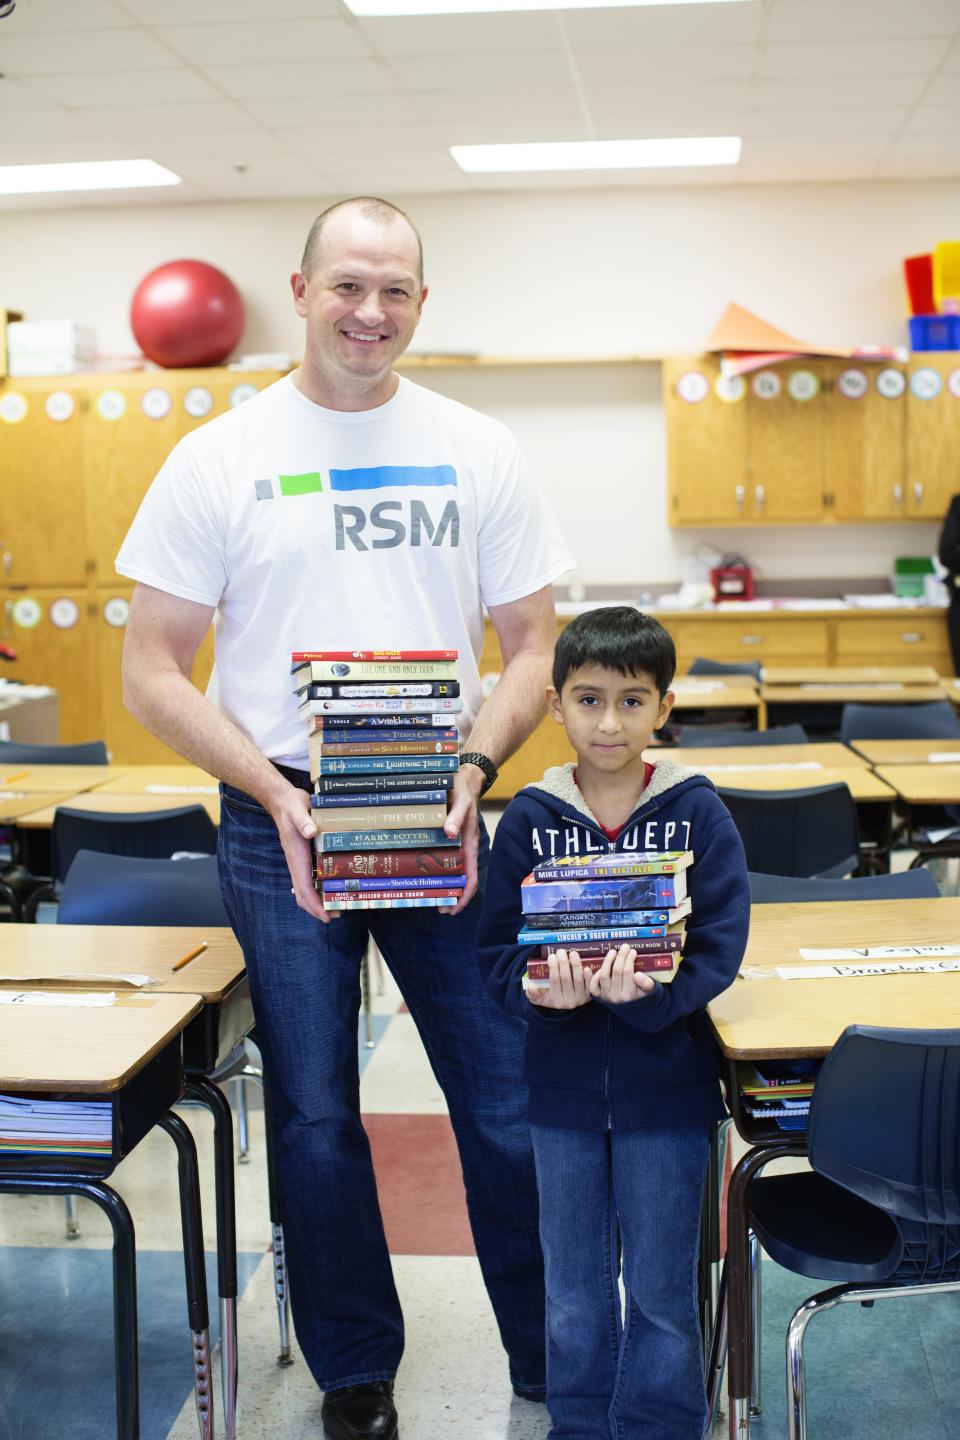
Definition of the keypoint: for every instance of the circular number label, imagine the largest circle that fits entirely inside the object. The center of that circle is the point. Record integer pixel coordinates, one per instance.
(27, 612)
(853, 384)
(953, 383)
(926, 383)
(111, 404)
(115, 611)
(13, 407)
(64, 613)
(59, 405)
(891, 383)
(198, 402)
(155, 403)
(693, 387)
(730, 388)
(767, 385)
(239, 393)
(803, 385)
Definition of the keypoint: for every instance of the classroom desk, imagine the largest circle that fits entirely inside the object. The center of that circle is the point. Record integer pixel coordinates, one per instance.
(53, 779)
(771, 1018)
(850, 674)
(862, 783)
(178, 780)
(827, 754)
(15, 803)
(718, 693)
(107, 801)
(130, 1055)
(907, 752)
(861, 692)
(94, 956)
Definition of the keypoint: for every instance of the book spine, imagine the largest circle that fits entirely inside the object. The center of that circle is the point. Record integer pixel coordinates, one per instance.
(652, 944)
(323, 672)
(664, 960)
(372, 817)
(568, 938)
(397, 882)
(380, 657)
(385, 735)
(383, 747)
(388, 797)
(436, 705)
(590, 919)
(383, 785)
(600, 871)
(386, 764)
(369, 723)
(384, 840)
(404, 690)
(635, 893)
(422, 864)
(420, 902)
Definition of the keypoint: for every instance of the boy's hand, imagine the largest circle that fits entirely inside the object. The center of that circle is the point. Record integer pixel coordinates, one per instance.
(568, 988)
(616, 980)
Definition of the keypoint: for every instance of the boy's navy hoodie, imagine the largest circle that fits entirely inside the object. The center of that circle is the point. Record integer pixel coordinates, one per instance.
(651, 1062)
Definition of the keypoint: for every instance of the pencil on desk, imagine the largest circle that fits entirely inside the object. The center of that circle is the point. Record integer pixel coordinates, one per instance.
(20, 775)
(191, 955)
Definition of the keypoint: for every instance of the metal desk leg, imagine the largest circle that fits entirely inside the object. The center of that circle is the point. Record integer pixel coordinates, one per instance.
(193, 1264)
(243, 1120)
(200, 1088)
(70, 1216)
(279, 1248)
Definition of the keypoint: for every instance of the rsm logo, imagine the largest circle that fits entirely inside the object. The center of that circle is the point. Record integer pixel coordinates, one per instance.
(390, 523)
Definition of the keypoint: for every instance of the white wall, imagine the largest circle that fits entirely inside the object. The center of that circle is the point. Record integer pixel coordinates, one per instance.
(586, 273)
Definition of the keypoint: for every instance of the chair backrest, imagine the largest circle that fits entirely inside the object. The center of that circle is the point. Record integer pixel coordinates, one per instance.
(790, 889)
(131, 890)
(885, 1124)
(156, 834)
(702, 666)
(91, 752)
(936, 721)
(707, 735)
(797, 832)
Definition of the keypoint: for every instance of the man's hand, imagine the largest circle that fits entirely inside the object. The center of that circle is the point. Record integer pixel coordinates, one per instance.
(462, 820)
(569, 987)
(616, 980)
(291, 815)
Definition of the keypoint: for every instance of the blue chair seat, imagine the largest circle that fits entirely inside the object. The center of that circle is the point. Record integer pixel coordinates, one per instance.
(794, 890)
(813, 1227)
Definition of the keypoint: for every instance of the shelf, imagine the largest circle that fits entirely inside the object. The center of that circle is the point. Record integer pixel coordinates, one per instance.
(426, 362)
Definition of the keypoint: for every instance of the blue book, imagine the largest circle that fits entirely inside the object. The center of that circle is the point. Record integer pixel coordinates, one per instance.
(387, 764)
(591, 919)
(330, 840)
(354, 735)
(633, 892)
(656, 923)
(395, 882)
(381, 797)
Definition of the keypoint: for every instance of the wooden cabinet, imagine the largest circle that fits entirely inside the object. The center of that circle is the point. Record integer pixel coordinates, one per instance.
(766, 638)
(865, 427)
(914, 639)
(706, 444)
(933, 434)
(54, 634)
(43, 534)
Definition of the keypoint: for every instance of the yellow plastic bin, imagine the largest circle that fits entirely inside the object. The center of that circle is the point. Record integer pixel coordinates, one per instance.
(946, 276)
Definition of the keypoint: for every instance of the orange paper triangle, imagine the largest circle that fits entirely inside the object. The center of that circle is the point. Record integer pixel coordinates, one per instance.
(739, 329)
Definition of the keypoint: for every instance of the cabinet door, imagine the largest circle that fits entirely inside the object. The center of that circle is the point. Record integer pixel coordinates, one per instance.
(933, 434)
(706, 443)
(42, 517)
(52, 632)
(865, 440)
(785, 430)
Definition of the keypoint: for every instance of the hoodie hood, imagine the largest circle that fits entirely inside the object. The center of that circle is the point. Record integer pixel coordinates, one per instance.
(558, 785)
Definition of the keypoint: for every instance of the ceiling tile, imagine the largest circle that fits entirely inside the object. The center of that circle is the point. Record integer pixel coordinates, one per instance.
(384, 137)
(152, 119)
(942, 91)
(933, 119)
(638, 122)
(463, 34)
(666, 25)
(271, 187)
(919, 167)
(202, 12)
(555, 100)
(861, 19)
(942, 143)
(44, 16)
(325, 110)
(71, 53)
(251, 43)
(21, 95)
(382, 181)
(56, 124)
(952, 62)
(815, 148)
(31, 149)
(815, 120)
(848, 57)
(699, 62)
(844, 92)
(807, 172)
(128, 87)
(237, 147)
(274, 81)
(672, 97)
(492, 129)
(268, 167)
(483, 72)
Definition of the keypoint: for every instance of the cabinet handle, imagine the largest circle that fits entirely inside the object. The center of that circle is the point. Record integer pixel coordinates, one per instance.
(759, 495)
(740, 495)
(7, 564)
(911, 637)
(898, 494)
(751, 639)
(918, 491)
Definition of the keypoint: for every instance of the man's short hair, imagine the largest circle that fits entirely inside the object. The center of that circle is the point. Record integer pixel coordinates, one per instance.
(620, 638)
(382, 212)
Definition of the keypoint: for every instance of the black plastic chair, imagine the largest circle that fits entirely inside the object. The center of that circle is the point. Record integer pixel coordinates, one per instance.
(810, 833)
(708, 735)
(702, 666)
(936, 721)
(879, 1214)
(790, 889)
(137, 890)
(90, 752)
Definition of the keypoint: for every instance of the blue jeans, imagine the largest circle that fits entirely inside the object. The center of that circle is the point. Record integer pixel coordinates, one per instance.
(637, 1192)
(305, 984)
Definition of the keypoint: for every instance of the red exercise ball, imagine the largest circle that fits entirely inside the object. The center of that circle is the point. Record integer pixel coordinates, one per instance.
(186, 313)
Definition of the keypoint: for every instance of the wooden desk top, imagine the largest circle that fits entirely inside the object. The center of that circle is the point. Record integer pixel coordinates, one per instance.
(107, 801)
(178, 780)
(88, 1050)
(781, 1018)
(712, 684)
(850, 674)
(830, 753)
(951, 684)
(82, 953)
(923, 784)
(863, 692)
(863, 784)
(14, 803)
(58, 779)
(907, 752)
(728, 697)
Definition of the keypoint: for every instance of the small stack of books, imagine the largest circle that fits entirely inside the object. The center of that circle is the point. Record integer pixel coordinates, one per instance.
(383, 745)
(32, 1125)
(589, 903)
(778, 1091)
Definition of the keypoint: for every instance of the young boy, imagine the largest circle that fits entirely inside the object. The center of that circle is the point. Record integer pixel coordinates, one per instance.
(622, 1070)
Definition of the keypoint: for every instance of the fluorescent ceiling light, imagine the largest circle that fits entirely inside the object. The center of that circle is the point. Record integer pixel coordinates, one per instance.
(473, 7)
(83, 175)
(599, 154)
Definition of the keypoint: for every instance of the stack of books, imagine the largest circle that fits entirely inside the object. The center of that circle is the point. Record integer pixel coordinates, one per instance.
(778, 1092)
(30, 1125)
(589, 903)
(384, 748)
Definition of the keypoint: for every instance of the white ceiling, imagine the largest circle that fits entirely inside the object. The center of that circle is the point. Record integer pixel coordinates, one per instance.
(250, 99)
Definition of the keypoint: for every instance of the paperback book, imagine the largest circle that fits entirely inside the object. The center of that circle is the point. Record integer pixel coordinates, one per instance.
(614, 863)
(385, 785)
(383, 765)
(671, 939)
(400, 902)
(662, 965)
(404, 690)
(438, 861)
(386, 798)
(384, 840)
(635, 892)
(334, 748)
(603, 935)
(433, 705)
(373, 817)
(397, 882)
(330, 723)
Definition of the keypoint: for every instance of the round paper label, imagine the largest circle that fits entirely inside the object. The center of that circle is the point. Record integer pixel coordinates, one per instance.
(803, 385)
(156, 403)
(891, 383)
(926, 383)
(730, 389)
(59, 405)
(239, 393)
(13, 407)
(115, 611)
(853, 384)
(27, 612)
(693, 387)
(198, 401)
(64, 613)
(111, 404)
(767, 385)
(953, 383)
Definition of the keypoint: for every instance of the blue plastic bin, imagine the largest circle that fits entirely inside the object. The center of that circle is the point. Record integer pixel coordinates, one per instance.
(935, 332)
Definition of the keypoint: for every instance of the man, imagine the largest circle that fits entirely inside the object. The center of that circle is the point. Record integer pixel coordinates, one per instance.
(343, 508)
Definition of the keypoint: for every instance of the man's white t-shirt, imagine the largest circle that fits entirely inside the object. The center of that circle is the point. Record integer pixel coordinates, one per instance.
(315, 529)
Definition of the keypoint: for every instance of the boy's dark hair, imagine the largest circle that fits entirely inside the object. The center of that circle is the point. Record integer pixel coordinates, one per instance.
(617, 637)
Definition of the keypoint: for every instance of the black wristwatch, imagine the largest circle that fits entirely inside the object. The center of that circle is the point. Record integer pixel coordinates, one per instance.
(473, 757)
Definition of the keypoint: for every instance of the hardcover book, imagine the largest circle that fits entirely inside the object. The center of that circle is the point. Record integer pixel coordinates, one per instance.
(330, 723)
(614, 863)
(356, 735)
(374, 817)
(634, 892)
(386, 798)
(321, 672)
(358, 884)
(381, 657)
(402, 689)
(672, 939)
(656, 963)
(391, 864)
(434, 705)
(386, 785)
(321, 747)
(385, 840)
(588, 919)
(383, 765)
(417, 902)
(607, 935)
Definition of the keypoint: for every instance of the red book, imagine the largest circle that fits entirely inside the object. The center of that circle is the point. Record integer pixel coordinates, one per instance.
(347, 863)
(300, 657)
(656, 945)
(539, 970)
(443, 892)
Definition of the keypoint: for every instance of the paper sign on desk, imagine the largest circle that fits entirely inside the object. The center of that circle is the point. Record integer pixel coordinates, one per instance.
(779, 765)
(943, 757)
(852, 685)
(58, 1002)
(697, 686)
(882, 952)
(181, 790)
(81, 977)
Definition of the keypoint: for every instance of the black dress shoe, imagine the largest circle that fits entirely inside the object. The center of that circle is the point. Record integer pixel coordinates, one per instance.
(360, 1412)
(538, 1396)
